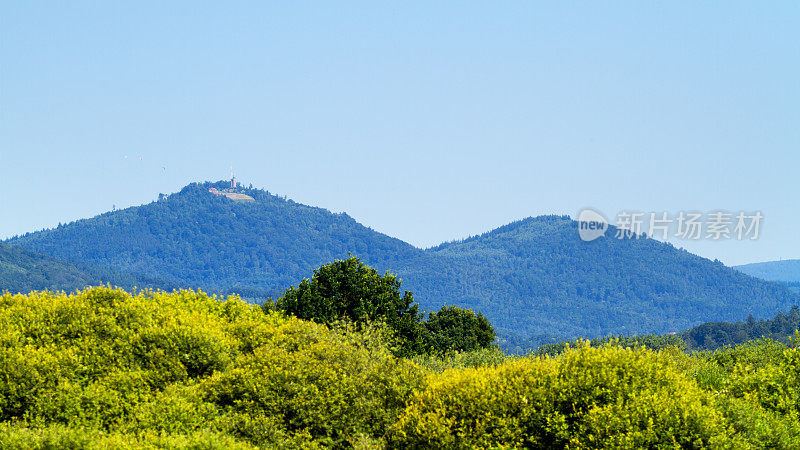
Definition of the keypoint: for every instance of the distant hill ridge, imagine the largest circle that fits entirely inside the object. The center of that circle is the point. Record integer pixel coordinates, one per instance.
(533, 278)
(787, 271)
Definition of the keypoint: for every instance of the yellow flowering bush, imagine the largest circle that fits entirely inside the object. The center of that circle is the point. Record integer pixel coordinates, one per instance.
(183, 363)
(103, 368)
(609, 397)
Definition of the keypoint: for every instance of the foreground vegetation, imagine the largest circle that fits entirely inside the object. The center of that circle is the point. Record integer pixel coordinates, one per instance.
(351, 291)
(103, 368)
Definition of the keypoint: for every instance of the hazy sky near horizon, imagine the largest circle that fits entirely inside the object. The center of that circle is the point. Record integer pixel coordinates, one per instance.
(428, 121)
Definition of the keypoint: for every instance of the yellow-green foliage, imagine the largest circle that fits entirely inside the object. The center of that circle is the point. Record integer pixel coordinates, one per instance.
(106, 369)
(608, 397)
(760, 381)
(184, 363)
(58, 437)
(482, 357)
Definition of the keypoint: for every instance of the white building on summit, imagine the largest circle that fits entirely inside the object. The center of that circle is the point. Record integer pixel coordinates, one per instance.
(233, 193)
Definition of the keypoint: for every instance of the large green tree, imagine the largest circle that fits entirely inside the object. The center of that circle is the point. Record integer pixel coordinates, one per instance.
(350, 290)
(457, 329)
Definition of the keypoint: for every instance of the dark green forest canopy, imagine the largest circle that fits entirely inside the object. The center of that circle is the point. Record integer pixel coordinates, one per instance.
(534, 279)
(349, 290)
(457, 329)
(713, 335)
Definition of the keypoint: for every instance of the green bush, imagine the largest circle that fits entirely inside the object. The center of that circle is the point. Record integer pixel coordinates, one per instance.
(457, 329)
(60, 437)
(761, 428)
(589, 397)
(351, 290)
(103, 365)
(332, 387)
(105, 369)
(768, 374)
(651, 341)
(482, 357)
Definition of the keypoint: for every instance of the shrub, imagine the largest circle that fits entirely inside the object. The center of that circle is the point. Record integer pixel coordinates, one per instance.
(185, 370)
(651, 341)
(105, 369)
(768, 378)
(60, 437)
(456, 329)
(351, 290)
(482, 357)
(312, 381)
(589, 397)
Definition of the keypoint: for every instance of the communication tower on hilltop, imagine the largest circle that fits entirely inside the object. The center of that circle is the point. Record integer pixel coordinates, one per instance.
(233, 179)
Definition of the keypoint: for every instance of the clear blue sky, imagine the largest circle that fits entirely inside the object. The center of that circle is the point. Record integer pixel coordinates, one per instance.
(425, 121)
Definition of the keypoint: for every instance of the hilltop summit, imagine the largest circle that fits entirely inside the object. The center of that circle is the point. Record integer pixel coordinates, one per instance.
(533, 278)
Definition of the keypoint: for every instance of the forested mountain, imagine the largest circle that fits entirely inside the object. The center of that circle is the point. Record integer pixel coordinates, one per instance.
(569, 287)
(534, 279)
(23, 271)
(786, 271)
(199, 239)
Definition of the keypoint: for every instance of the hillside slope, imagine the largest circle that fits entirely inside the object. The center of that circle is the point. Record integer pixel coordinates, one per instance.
(534, 279)
(23, 271)
(198, 239)
(787, 271)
